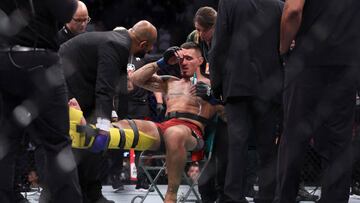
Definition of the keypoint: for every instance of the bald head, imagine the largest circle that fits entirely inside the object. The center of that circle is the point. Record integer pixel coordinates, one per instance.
(144, 30)
(81, 7)
(143, 36)
(80, 19)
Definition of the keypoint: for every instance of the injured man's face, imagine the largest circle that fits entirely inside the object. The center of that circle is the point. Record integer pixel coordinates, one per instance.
(190, 60)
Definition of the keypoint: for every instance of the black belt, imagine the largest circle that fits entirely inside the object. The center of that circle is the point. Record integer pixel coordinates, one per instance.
(195, 117)
(18, 48)
(26, 58)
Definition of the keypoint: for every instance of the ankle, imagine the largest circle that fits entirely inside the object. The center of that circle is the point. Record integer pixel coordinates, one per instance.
(170, 198)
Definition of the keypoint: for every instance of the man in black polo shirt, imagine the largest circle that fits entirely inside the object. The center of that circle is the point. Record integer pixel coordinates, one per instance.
(33, 97)
(319, 93)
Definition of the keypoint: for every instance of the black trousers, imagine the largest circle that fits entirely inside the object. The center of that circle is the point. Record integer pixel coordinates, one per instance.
(319, 103)
(115, 159)
(250, 116)
(33, 100)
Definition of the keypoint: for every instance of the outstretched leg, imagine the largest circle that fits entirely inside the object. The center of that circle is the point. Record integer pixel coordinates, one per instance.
(121, 136)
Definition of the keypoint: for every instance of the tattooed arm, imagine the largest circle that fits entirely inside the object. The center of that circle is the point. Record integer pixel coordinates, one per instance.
(146, 78)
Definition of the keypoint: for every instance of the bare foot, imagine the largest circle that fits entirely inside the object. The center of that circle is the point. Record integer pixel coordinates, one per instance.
(74, 104)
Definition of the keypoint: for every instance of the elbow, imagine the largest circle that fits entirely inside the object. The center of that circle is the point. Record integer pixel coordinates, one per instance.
(134, 79)
(293, 13)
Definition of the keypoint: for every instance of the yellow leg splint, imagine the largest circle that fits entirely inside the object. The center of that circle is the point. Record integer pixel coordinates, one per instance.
(119, 138)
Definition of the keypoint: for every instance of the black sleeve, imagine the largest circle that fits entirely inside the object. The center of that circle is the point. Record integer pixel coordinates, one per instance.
(281, 5)
(61, 36)
(62, 10)
(109, 73)
(219, 47)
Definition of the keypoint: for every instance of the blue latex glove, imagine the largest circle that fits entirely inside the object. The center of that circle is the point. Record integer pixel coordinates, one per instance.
(100, 143)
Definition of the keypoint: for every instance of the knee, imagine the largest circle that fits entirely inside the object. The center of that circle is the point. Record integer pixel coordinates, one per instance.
(175, 140)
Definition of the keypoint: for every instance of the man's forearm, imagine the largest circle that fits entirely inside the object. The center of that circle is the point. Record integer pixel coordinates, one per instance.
(290, 23)
(141, 76)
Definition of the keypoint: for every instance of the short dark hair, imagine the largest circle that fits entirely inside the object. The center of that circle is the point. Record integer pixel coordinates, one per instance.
(205, 17)
(191, 45)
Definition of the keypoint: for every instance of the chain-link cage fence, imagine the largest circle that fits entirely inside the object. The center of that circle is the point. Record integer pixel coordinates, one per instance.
(311, 171)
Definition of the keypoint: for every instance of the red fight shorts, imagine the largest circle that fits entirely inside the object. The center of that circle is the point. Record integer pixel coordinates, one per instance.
(198, 152)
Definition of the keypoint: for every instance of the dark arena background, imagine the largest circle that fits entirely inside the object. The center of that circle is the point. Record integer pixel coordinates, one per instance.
(172, 18)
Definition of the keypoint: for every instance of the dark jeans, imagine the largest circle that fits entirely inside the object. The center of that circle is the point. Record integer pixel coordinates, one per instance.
(250, 116)
(319, 103)
(33, 100)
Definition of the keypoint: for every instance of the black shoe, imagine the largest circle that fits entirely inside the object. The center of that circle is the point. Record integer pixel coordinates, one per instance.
(118, 186)
(251, 193)
(304, 195)
(119, 189)
(116, 183)
(355, 189)
(143, 186)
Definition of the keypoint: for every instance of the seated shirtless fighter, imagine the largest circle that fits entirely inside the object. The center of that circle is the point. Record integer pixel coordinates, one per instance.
(189, 106)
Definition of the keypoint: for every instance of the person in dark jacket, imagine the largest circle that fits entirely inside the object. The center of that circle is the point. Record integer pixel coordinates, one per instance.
(33, 97)
(246, 72)
(95, 65)
(319, 95)
(204, 21)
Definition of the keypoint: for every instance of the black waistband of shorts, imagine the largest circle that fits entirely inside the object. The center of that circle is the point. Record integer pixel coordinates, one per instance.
(191, 116)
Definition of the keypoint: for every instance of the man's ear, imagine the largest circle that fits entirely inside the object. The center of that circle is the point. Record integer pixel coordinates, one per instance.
(143, 44)
(201, 60)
